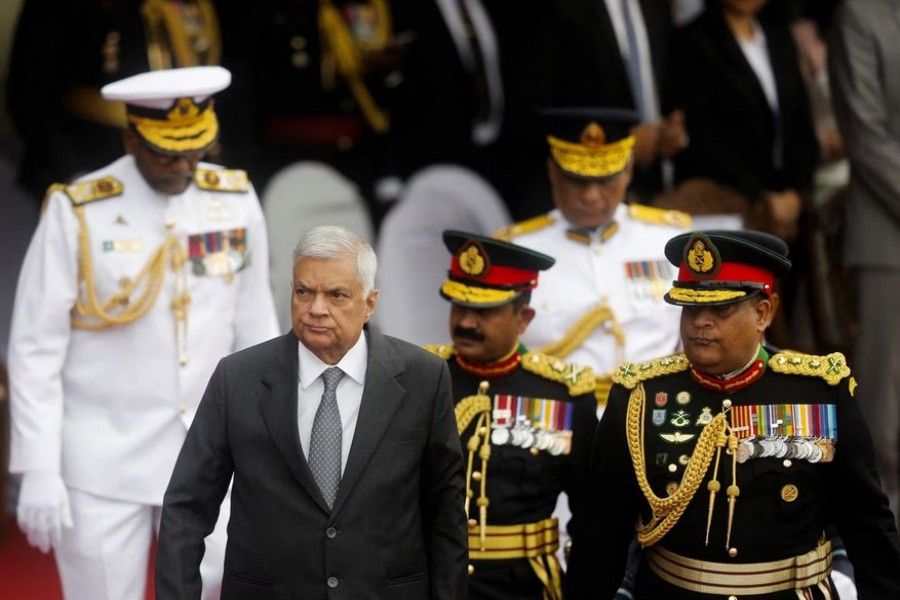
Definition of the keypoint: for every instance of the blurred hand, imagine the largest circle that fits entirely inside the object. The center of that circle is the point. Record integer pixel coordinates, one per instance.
(784, 211)
(43, 509)
(673, 136)
(646, 142)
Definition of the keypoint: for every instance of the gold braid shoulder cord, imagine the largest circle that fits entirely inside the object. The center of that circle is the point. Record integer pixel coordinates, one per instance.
(479, 405)
(90, 315)
(667, 511)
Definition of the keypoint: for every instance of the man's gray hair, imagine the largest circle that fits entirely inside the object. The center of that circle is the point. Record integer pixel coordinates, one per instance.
(330, 242)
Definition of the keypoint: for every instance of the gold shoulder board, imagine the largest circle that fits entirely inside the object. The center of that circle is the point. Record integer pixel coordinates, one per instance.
(660, 216)
(533, 224)
(832, 367)
(629, 375)
(578, 378)
(445, 351)
(222, 180)
(91, 191)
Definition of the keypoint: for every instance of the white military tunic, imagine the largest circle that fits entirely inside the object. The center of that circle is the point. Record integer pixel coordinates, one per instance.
(628, 271)
(109, 409)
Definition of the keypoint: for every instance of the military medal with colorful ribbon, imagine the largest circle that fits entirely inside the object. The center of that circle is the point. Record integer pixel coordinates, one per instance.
(794, 431)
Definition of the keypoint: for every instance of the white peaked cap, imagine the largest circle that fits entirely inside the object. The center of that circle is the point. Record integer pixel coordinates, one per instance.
(160, 89)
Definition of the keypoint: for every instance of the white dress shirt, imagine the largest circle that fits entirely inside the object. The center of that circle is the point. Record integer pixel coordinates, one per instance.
(349, 393)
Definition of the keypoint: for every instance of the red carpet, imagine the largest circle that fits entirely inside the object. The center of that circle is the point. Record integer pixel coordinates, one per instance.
(26, 573)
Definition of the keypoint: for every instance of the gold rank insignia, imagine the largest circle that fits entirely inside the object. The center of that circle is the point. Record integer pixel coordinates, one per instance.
(659, 216)
(90, 191)
(629, 375)
(832, 367)
(222, 180)
(579, 379)
(534, 224)
(445, 351)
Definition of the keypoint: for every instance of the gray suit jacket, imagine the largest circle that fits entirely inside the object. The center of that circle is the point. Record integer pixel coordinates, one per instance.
(397, 529)
(864, 66)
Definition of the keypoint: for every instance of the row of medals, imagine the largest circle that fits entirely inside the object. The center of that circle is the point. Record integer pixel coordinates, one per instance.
(526, 436)
(800, 448)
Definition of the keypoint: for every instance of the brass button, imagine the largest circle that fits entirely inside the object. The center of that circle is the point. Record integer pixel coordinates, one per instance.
(471, 569)
(787, 463)
(732, 598)
(673, 468)
(170, 223)
(789, 493)
(476, 475)
(732, 552)
(726, 403)
(182, 408)
(473, 523)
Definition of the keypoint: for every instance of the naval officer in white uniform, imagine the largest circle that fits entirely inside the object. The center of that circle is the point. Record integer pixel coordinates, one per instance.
(139, 278)
(602, 302)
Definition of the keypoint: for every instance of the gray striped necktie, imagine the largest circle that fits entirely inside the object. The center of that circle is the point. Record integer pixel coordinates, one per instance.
(325, 441)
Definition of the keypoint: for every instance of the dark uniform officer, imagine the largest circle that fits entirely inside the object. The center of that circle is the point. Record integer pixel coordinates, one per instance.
(526, 421)
(316, 81)
(733, 459)
(66, 50)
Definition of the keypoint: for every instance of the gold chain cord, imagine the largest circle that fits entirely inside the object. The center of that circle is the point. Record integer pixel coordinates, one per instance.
(667, 511)
(90, 315)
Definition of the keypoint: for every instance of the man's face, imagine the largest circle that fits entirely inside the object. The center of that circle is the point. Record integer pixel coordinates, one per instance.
(587, 203)
(170, 175)
(328, 309)
(721, 339)
(486, 335)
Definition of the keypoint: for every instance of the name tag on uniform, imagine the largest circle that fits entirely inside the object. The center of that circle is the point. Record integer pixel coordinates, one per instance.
(122, 245)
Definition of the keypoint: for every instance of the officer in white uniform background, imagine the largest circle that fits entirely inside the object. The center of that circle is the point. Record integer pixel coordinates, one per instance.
(602, 302)
(140, 276)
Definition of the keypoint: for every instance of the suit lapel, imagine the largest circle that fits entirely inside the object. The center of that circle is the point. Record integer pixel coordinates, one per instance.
(279, 411)
(744, 77)
(381, 398)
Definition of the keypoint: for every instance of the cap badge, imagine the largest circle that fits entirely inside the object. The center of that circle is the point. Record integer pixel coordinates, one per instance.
(593, 136)
(184, 108)
(701, 257)
(473, 260)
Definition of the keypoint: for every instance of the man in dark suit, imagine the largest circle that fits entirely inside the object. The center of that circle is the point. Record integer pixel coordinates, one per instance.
(357, 495)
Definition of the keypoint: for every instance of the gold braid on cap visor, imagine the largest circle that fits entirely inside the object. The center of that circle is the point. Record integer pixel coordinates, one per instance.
(584, 161)
(191, 132)
(702, 296)
(475, 295)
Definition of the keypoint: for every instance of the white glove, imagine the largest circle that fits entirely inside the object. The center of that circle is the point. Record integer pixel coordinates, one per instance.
(43, 509)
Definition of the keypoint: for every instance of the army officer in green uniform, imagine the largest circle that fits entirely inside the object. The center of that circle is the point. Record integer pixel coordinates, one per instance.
(526, 421)
(732, 460)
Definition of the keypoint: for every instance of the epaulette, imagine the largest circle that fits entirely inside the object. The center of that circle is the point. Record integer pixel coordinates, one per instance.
(445, 351)
(90, 191)
(659, 216)
(831, 367)
(629, 375)
(222, 180)
(516, 229)
(578, 378)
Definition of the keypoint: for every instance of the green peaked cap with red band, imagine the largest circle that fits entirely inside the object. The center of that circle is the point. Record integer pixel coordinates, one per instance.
(723, 267)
